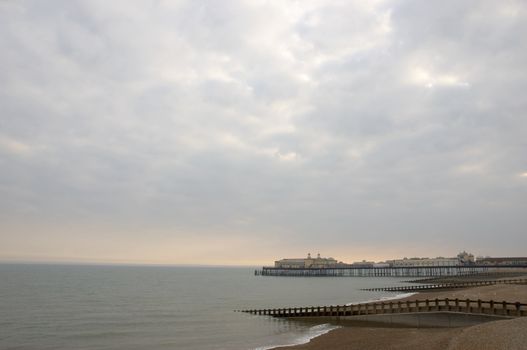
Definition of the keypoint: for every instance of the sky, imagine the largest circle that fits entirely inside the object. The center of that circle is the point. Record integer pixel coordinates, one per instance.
(241, 132)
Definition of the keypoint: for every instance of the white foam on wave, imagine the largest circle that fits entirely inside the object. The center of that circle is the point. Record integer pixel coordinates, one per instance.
(395, 297)
(322, 329)
(313, 332)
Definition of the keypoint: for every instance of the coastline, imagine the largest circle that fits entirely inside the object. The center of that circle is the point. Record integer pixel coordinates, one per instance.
(503, 334)
(315, 332)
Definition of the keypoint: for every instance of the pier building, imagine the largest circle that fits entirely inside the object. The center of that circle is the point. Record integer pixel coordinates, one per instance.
(417, 262)
(462, 264)
(309, 262)
(503, 261)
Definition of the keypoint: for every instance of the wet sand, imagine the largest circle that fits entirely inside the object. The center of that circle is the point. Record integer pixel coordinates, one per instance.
(505, 334)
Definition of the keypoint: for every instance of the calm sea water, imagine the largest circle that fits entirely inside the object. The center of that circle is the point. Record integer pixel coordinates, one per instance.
(152, 307)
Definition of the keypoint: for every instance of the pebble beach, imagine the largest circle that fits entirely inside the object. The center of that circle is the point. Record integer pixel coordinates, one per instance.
(503, 334)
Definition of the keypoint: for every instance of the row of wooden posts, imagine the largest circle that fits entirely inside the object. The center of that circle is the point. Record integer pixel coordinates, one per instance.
(448, 285)
(461, 278)
(489, 307)
(370, 271)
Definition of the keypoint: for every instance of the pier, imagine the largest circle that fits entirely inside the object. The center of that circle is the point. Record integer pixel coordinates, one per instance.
(407, 271)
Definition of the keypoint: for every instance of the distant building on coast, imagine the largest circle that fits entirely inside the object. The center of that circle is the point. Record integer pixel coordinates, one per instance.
(365, 263)
(466, 258)
(424, 262)
(521, 261)
(461, 259)
(463, 263)
(309, 262)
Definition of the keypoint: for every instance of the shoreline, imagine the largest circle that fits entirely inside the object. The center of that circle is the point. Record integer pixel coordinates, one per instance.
(368, 337)
(308, 337)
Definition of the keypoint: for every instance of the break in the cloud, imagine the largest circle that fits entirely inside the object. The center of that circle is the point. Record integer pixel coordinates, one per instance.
(241, 131)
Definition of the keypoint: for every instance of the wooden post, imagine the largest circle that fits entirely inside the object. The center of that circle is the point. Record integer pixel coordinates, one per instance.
(480, 308)
(505, 310)
(468, 305)
(518, 311)
(492, 310)
(391, 307)
(447, 303)
(456, 301)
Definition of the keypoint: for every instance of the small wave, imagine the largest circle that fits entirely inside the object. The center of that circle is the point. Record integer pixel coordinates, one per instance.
(398, 296)
(313, 332)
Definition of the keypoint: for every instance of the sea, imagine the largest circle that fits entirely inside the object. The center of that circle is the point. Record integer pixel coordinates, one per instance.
(163, 307)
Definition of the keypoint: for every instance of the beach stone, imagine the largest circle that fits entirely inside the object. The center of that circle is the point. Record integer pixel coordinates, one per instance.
(506, 335)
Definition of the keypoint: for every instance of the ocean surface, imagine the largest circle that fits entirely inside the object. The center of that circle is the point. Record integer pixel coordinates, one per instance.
(161, 307)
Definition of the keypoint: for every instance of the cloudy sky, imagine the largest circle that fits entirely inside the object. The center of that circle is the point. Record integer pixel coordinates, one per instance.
(237, 132)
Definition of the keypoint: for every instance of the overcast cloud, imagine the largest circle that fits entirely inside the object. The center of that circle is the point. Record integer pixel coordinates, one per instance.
(242, 131)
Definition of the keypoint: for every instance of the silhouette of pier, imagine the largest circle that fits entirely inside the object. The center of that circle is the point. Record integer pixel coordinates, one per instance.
(394, 271)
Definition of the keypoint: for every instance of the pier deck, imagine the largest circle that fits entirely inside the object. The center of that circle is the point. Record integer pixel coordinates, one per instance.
(411, 271)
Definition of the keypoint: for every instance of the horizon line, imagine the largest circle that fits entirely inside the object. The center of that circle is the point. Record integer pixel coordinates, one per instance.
(106, 263)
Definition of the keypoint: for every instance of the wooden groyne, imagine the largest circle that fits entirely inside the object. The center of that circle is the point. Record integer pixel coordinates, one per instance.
(466, 306)
(422, 287)
(407, 271)
(468, 278)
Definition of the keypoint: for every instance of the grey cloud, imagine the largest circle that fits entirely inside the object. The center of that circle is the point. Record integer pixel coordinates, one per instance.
(395, 123)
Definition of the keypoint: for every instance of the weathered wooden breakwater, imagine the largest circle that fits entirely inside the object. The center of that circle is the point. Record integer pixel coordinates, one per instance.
(468, 278)
(408, 271)
(422, 287)
(466, 306)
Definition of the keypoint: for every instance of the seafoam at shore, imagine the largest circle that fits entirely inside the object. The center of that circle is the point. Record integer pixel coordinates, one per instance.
(395, 297)
(313, 332)
(324, 328)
